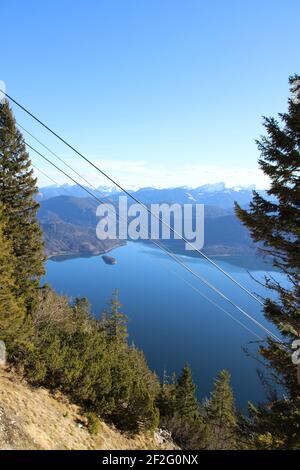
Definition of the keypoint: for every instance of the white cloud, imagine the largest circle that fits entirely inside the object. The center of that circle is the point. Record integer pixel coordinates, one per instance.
(136, 174)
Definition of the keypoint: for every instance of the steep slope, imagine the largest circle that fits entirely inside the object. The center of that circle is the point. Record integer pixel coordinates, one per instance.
(69, 227)
(32, 418)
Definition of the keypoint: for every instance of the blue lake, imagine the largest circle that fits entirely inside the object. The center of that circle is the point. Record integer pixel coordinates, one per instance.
(168, 318)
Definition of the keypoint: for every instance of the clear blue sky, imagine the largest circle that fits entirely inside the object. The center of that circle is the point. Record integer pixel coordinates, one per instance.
(161, 92)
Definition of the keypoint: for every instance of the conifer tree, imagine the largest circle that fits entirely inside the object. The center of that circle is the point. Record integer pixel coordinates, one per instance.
(275, 224)
(166, 399)
(221, 416)
(186, 401)
(114, 321)
(13, 327)
(181, 413)
(17, 192)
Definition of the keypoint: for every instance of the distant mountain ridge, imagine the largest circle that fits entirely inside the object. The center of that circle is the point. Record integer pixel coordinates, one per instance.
(209, 194)
(68, 217)
(69, 226)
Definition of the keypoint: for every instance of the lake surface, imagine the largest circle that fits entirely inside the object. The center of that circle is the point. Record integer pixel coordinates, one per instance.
(168, 318)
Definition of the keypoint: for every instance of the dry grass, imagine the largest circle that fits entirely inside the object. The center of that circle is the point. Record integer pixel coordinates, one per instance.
(32, 418)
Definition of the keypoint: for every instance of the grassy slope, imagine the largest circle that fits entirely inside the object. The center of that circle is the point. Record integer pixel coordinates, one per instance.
(33, 418)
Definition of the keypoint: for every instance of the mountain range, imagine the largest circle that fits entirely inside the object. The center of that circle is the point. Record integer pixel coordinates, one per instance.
(68, 217)
(209, 194)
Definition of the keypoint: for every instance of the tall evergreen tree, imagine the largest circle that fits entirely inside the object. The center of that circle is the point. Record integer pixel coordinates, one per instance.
(186, 401)
(114, 321)
(275, 223)
(166, 399)
(180, 411)
(13, 327)
(221, 416)
(17, 192)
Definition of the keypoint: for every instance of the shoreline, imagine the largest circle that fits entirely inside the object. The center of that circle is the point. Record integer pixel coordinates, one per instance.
(83, 254)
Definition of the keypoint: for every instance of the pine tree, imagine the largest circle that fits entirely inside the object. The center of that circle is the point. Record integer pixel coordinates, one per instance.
(186, 401)
(181, 413)
(17, 193)
(221, 416)
(166, 399)
(274, 223)
(13, 327)
(141, 411)
(114, 321)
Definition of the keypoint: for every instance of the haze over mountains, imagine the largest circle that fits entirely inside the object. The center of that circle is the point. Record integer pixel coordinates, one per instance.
(68, 217)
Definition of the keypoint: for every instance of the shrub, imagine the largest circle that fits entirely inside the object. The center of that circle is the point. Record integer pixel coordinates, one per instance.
(93, 423)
